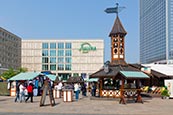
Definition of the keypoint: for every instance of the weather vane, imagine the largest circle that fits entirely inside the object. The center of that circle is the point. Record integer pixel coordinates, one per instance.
(116, 9)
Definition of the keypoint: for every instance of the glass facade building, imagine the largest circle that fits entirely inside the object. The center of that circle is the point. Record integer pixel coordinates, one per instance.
(63, 57)
(156, 31)
(56, 56)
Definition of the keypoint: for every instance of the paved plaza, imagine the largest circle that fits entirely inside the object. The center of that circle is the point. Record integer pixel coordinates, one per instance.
(151, 106)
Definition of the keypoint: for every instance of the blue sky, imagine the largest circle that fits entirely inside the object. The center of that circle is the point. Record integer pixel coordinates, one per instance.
(72, 19)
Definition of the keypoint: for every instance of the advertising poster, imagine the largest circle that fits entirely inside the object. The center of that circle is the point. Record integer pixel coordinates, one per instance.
(169, 85)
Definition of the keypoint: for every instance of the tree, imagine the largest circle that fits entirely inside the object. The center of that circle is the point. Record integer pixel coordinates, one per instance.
(11, 72)
(22, 70)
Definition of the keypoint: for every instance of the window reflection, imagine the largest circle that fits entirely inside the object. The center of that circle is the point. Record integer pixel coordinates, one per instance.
(45, 60)
(68, 59)
(68, 53)
(44, 67)
(44, 52)
(53, 67)
(61, 45)
(52, 45)
(45, 45)
(60, 60)
(68, 67)
(60, 52)
(52, 52)
(60, 66)
(68, 45)
(53, 60)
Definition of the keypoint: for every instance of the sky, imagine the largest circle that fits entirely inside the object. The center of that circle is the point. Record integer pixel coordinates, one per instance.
(72, 19)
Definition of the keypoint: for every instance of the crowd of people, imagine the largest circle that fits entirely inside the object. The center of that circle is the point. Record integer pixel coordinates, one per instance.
(77, 88)
(25, 91)
(21, 91)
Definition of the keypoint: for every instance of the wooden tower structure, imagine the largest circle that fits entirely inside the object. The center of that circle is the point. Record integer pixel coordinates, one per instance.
(117, 35)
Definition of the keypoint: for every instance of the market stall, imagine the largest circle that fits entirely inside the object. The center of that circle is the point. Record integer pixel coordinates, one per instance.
(121, 81)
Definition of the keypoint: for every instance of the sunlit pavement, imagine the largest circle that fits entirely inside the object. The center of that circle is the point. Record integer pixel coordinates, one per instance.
(152, 106)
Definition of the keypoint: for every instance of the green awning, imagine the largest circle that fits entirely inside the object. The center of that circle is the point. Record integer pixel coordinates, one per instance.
(51, 77)
(25, 76)
(134, 74)
(91, 80)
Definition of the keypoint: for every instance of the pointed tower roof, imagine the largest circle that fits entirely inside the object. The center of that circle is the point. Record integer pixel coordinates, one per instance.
(117, 28)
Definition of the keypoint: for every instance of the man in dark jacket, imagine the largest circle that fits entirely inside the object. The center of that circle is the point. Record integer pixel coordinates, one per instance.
(17, 92)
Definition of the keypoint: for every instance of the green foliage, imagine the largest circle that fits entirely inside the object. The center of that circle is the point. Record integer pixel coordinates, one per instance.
(165, 93)
(3, 89)
(11, 72)
(22, 70)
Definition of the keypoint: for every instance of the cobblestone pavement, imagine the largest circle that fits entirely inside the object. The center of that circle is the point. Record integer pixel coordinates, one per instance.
(152, 106)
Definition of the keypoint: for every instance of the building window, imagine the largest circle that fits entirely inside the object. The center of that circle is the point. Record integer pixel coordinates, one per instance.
(53, 67)
(45, 59)
(44, 52)
(68, 60)
(45, 45)
(60, 66)
(60, 52)
(68, 67)
(52, 45)
(68, 45)
(75, 74)
(68, 53)
(60, 45)
(52, 52)
(60, 60)
(44, 67)
(83, 75)
(52, 59)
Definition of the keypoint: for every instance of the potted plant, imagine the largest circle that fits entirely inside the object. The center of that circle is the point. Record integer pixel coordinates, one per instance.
(165, 94)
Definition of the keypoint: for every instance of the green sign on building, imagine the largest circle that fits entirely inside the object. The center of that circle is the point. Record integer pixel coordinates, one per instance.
(86, 47)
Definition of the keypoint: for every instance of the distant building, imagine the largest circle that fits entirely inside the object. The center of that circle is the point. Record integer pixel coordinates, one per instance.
(156, 31)
(63, 57)
(10, 50)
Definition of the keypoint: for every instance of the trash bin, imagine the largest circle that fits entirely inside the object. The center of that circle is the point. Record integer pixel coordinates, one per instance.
(56, 93)
(67, 95)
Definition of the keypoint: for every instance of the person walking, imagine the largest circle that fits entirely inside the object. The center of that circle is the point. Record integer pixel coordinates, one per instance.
(84, 89)
(17, 98)
(76, 89)
(94, 89)
(22, 92)
(30, 92)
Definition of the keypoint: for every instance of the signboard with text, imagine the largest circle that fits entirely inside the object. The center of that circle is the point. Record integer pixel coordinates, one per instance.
(86, 47)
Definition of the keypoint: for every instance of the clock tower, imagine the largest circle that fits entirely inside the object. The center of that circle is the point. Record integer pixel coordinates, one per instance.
(117, 35)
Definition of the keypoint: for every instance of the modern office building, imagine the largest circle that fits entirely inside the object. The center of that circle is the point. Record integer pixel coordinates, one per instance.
(63, 57)
(156, 31)
(10, 50)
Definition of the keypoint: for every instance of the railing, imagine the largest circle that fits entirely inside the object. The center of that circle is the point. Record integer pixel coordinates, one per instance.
(110, 93)
(134, 94)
